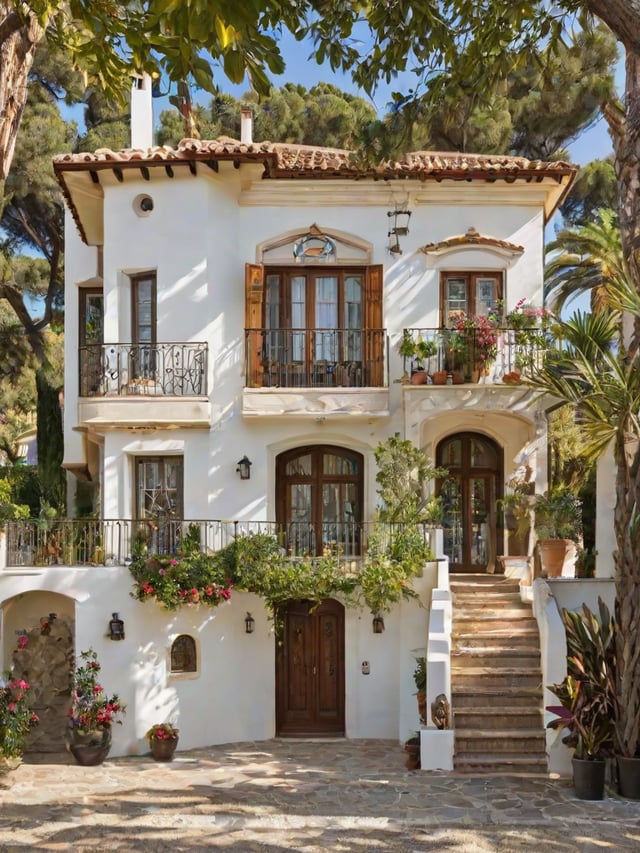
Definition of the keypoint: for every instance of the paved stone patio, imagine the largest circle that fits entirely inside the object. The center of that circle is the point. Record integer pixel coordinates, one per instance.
(293, 795)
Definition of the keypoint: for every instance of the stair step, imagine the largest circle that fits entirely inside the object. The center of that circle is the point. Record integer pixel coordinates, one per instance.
(476, 677)
(474, 695)
(521, 636)
(497, 659)
(473, 741)
(493, 719)
(484, 764)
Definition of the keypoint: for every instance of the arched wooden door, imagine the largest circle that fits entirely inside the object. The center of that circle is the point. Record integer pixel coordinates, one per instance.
(469, 494)
(310, 670)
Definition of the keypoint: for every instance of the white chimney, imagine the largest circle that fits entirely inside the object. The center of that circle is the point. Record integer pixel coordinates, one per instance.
(141, 111)
(246, 125)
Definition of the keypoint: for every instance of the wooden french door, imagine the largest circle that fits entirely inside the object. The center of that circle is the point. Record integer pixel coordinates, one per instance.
(319, 499)
(310, 671)
(469, 494)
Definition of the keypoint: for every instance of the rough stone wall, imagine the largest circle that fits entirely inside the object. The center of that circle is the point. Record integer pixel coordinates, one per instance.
(46, 663)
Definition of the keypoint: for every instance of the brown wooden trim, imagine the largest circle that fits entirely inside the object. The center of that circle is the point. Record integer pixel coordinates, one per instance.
(253, 319)
(471, 278)
(136, 280)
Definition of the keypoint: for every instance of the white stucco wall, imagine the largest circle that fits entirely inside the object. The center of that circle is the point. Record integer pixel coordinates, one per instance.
(232, 696)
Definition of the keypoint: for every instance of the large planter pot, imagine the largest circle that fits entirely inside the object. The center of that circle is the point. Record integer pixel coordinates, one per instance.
(163, 750)
(89, 748)
(588, 778)
(629, 777)
(557, 557)
(412, 761)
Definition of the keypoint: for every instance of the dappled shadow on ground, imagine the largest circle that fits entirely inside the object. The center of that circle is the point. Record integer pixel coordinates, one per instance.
(351, 797)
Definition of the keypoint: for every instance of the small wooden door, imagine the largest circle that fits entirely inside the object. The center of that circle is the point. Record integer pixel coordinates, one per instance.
(310, 671)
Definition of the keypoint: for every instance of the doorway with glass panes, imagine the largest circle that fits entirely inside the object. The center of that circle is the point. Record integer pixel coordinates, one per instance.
(469, 495)
(319, 496)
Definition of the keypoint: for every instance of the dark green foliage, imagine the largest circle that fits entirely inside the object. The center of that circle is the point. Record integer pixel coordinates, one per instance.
(50, 444)
(588, 692)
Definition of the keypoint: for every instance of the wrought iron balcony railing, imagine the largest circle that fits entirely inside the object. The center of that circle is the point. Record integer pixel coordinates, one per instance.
(316, 358)
(172, 369)
(493, 356)
(113, 542)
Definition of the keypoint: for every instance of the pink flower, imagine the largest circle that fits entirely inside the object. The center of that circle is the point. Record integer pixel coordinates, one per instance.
(173, 562)
(23, 641)
(162, 572)
(12, 706)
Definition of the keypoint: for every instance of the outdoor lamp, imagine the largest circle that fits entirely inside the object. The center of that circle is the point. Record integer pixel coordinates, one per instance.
(249, 623)
(244, 468)
(116, 627)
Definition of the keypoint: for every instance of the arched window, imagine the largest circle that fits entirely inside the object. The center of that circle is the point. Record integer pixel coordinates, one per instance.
(183, 654)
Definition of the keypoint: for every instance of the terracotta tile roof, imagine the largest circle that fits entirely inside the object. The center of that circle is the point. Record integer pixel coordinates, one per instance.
(288, 160)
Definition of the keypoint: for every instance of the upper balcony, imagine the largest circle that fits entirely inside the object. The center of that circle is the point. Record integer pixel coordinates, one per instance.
(492, 356)
(316, 372)
(129, 384)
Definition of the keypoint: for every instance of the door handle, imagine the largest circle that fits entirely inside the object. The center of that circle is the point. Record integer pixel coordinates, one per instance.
(314, 671)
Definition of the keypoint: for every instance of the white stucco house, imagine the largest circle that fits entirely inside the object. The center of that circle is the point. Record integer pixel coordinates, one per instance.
(233, 301)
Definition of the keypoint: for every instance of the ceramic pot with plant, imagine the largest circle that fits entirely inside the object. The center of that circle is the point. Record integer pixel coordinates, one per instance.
(587, 695)
(163, 740)
(412, 748)
(558, 526)
(92, 712)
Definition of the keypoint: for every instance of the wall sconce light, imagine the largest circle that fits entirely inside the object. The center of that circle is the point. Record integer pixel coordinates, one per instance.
(249, 624)
(116, 627)
(378, 624)
(244, 468)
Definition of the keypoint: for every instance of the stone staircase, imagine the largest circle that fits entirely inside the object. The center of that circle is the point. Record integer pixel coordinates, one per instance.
(496, 679)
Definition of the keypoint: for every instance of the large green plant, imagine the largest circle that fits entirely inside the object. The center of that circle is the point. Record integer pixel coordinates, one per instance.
(587, 694)
(558, 515)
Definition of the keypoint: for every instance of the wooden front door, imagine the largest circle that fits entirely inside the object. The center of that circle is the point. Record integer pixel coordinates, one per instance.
(310, 671)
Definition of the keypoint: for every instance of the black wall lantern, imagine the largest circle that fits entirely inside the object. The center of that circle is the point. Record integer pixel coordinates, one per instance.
(249, 624)
(116, 627)
(378, 624)
(244, 468)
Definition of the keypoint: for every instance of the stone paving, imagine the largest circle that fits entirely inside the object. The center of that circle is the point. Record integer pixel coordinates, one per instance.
(299, 795)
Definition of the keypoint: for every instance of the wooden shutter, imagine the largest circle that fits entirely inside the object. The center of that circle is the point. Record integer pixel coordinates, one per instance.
(254, 297)
(374, 333)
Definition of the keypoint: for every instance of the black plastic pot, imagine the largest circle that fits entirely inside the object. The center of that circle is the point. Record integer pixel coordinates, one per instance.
(628, 777)
(588, 778)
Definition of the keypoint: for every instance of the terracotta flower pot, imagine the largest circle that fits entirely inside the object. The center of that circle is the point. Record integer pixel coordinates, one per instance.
(89, 748)
(163, 750)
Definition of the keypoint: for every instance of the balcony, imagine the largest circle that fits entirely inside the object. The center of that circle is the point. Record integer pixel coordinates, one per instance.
(457, 358)
(316, 372)
(38, 543)
(128, 384)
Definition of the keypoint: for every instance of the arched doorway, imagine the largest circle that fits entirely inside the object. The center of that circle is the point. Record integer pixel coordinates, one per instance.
(319, 499)
(310, 670)
(469, 494)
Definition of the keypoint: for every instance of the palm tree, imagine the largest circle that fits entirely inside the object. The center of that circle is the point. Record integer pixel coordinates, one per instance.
(602, 380)
(585, 259)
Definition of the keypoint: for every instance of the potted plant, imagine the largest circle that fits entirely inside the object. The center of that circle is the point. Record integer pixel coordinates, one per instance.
(587, 697)
(412, 748)
(558, 526)
(163, 740)
(16, 720)
(417, 351)
(92, 713)
(420, 680)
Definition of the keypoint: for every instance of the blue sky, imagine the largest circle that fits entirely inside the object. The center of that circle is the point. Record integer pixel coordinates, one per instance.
(592, 144)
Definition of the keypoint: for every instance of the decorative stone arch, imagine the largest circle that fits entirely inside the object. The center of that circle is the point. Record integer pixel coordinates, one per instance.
(471, 240)
(349, 248)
